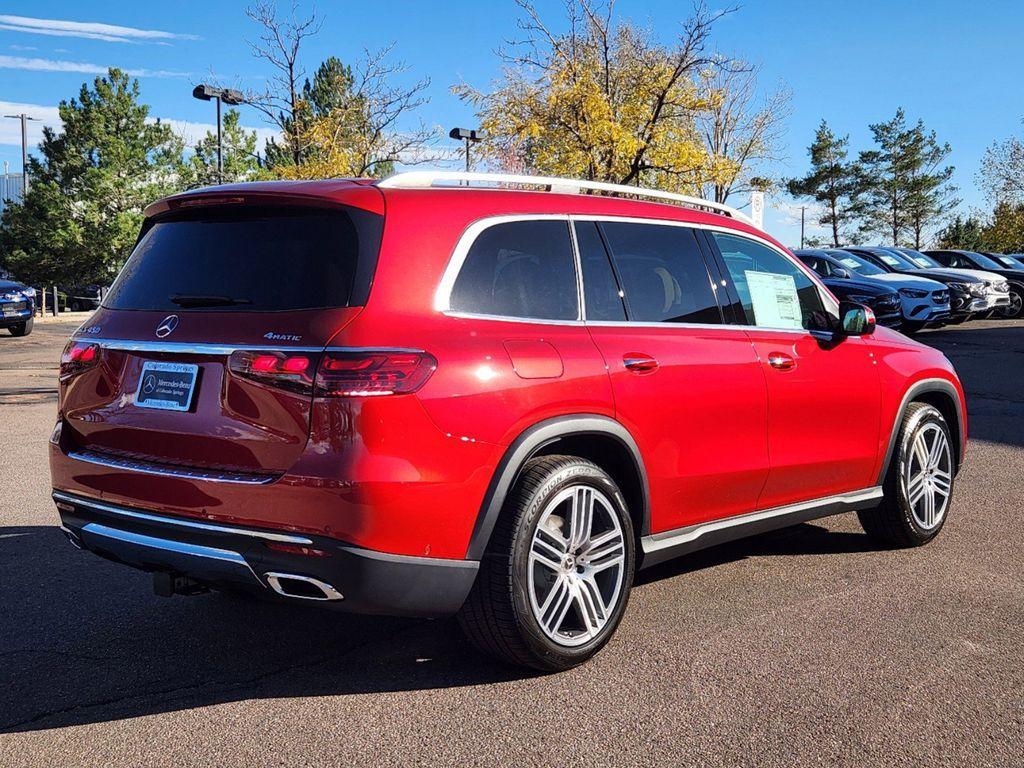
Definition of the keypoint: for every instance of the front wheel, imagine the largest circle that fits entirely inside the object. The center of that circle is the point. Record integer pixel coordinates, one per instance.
(919, 483)
(555, 579)
(23, 329)
(1016, 306)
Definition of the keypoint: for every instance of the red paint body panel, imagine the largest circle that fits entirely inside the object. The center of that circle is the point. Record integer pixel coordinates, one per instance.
(822, 416)
(698, 418)
(720, 433)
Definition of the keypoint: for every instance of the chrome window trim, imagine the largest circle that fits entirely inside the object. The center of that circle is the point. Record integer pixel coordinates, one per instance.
(442, 296)
(667, 539)
(181, 522)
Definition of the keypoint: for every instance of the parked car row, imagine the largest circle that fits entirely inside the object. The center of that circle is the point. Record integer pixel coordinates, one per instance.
(912, 290)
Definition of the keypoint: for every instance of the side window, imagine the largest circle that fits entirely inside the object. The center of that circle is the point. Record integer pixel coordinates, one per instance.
(774, 292)
(820, 266)
(663, 274)
(600, 288)
(519, 269)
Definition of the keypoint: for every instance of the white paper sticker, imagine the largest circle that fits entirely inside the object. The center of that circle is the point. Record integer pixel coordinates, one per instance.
(775, 300)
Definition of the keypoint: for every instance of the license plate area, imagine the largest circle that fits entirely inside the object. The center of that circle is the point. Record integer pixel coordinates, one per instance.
(166, 386)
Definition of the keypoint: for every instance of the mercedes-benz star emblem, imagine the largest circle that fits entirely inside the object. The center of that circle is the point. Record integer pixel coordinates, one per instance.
(167, 326)
(149, 384)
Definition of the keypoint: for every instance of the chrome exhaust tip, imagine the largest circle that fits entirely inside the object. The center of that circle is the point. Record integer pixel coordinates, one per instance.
(302, 587)
(73, 537)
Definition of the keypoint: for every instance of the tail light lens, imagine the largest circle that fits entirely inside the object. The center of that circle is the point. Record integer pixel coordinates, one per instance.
(78, 356)
(336, 374)
(277, 368)
(373, 373)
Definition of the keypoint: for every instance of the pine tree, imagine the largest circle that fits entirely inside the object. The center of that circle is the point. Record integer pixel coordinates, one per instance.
(238, 149)
(905, 189)
(89, 186)
(831, 181)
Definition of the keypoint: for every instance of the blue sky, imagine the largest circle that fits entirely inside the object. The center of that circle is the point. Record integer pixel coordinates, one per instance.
(954, 64)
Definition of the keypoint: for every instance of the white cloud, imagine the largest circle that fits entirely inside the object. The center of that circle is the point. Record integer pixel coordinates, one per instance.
(59, 65)
(89, 30)
(10, 130)
(192, 133)
(22, 47)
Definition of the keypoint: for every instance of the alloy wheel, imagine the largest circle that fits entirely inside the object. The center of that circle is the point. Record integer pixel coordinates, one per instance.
(1016, 305)
(576, 566)
(928, 480)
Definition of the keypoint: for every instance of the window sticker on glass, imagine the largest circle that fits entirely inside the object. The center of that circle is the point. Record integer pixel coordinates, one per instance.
(922, 263)
(851, 263)
(892, 262)
(774, 299)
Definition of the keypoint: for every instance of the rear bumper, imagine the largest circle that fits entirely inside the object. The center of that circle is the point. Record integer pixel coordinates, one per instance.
(217, 555)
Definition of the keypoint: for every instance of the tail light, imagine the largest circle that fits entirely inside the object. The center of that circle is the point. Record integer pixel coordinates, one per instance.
(293, 372)
(336, 374)
(78, 356)
(372, 373)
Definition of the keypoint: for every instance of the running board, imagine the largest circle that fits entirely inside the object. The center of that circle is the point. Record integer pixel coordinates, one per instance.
(660, 547)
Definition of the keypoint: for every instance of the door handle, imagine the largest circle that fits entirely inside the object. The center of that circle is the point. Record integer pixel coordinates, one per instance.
(638, 362)
(781, 361)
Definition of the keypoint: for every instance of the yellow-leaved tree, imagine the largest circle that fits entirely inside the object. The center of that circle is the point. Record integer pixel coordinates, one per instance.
(602, 100)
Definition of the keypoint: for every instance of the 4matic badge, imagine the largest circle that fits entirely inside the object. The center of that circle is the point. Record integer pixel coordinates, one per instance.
(271, 336)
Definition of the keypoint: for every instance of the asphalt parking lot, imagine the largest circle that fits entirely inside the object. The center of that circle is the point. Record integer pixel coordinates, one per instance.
(806, 646)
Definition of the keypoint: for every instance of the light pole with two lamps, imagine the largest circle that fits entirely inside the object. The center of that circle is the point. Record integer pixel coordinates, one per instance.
(228, 96)
(468, 135)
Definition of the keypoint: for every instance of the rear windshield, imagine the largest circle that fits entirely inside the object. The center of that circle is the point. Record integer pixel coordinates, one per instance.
(251, 259)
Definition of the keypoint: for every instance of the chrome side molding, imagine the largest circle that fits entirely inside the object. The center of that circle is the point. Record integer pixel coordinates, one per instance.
(663, 546)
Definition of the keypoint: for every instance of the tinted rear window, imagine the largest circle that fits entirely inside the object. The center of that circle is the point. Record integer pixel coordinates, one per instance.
(262, 259)
(519, 269)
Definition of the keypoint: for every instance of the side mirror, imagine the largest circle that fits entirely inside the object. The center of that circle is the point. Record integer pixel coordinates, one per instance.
(841, 273)
(855, 319)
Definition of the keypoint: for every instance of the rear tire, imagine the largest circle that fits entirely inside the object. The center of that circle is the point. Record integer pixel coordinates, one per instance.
(23, 329)
(555, 580)
(919, 483)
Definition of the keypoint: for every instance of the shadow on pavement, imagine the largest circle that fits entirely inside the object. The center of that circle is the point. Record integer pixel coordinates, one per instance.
(989, 358)
(86, 641)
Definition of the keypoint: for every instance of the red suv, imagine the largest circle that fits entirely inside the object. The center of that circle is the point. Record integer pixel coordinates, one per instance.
(490, 396)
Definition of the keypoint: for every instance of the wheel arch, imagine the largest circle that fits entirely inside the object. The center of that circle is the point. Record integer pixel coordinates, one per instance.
(590, 436)
(941, 394)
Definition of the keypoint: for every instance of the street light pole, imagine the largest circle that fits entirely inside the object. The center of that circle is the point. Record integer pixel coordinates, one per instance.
(24, 150)
(228, 96)
(467, 135)
(802, 209)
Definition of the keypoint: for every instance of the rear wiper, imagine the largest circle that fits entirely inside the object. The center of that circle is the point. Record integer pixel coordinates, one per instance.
(206, 301)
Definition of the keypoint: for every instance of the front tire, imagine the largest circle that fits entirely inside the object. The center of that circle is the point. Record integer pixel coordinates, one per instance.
(918, 486)
(1016, 306)
(23, 329)
(555, 580)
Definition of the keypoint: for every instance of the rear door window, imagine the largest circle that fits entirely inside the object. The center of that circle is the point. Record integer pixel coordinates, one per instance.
(523, 269)
(251, 259)
(663, 274)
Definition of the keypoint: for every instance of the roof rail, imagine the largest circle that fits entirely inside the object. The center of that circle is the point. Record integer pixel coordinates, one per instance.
(455, 179)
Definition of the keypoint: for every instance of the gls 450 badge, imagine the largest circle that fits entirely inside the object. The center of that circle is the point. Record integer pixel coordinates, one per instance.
(271, 336)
